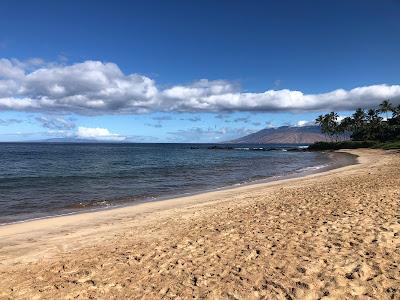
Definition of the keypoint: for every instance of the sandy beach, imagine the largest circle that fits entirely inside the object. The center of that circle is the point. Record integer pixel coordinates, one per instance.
(331, 235)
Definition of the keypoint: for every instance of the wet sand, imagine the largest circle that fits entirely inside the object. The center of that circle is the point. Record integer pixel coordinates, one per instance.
(332, 235)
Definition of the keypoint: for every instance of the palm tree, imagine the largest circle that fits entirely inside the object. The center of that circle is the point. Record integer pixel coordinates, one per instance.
(319, 120)
(396, 112)
(371, 114)
(385, 107)
(332, 125)
(328, 123)
(346, 126)
(374, 124)
(359, 117)
(347, 123)
(322, 122)
(363, 125)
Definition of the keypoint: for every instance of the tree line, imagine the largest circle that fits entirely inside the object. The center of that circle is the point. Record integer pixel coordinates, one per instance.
(375, 124)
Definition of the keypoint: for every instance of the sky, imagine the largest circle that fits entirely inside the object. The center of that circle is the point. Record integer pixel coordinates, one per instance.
(190, 71)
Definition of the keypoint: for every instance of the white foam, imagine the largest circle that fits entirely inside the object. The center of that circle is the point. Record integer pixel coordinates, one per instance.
(313, 168)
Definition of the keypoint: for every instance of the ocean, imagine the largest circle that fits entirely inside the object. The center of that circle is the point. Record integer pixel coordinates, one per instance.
(44, 179)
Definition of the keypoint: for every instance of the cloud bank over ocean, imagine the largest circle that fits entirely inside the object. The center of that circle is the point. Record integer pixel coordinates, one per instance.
(98, 134)
(96, 88)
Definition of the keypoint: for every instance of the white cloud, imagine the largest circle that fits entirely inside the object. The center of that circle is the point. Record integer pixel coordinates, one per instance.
(91, 87)
(94, 87)
(340, 118)
(302, 123)
(287, 100)
(10, 70)
(98, 134)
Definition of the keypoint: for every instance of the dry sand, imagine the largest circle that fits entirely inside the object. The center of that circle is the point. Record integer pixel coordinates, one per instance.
(333, 235)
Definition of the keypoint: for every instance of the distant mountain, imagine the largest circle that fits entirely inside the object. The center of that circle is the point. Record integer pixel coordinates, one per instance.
(283, 135)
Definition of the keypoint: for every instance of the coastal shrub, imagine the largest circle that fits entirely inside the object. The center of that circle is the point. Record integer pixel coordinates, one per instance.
(321, 146)
(388, 145)
(318, 146)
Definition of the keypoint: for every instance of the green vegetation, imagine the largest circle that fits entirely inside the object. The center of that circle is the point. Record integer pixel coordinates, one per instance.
(388, 145)
(319, 146)
(365, 128)
(342, 145)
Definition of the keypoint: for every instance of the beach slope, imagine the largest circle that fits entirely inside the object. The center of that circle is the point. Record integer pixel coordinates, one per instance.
(332, 235)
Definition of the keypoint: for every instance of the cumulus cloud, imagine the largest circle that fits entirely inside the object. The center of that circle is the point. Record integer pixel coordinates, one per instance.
(98, 134)
(302, 123)
(91, 87)
(94, 87)
(10, 70)
(295, 101)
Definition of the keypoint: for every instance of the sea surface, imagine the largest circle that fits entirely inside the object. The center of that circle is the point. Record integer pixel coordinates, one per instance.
(43, 179)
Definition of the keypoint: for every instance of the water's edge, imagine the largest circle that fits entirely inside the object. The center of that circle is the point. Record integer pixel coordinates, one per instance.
(337, 160)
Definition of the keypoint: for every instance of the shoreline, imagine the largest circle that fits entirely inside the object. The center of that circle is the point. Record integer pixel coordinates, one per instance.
(342, 159)
(76, 223)
(330, 234)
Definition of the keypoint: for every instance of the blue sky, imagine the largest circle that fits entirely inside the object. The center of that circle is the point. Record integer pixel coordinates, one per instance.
(186, 71)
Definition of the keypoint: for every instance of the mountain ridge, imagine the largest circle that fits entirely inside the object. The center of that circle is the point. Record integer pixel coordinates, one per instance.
(283, 135)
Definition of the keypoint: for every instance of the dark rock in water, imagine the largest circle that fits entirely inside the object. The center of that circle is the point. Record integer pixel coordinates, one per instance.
(219, 148)
(191, 147)
(297, 149)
